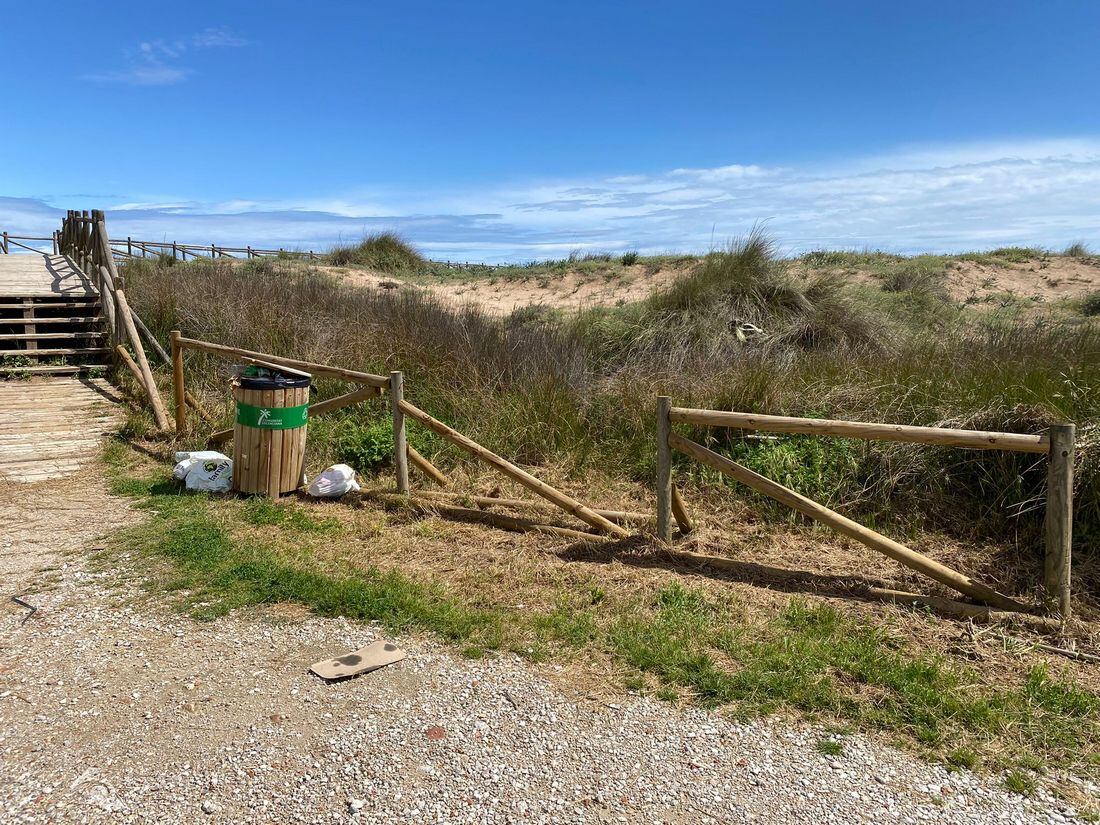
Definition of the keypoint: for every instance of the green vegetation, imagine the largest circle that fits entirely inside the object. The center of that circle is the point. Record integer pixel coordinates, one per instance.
(385, 252)
(1019, 782)
(217, 555)
(1077, 250)
(743, 330)
(829, 747)
(1091, 304)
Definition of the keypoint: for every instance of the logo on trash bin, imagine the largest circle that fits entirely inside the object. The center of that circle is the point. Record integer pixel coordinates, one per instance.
(272, 418)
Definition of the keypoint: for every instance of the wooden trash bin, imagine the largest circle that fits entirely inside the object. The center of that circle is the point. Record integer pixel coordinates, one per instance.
(269, 434)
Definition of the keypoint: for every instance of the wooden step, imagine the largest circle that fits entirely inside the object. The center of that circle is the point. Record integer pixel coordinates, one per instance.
(49, 353)
(39, 303)
(63, 369)
(48, 336)
(90, 319)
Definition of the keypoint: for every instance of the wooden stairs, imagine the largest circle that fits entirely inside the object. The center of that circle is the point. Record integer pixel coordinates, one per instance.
(61, 334)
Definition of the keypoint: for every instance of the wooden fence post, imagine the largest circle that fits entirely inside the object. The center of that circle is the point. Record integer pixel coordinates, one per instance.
(400, 454)
(1059, 518)
(664, 470)
(179, 388)
(5, 245)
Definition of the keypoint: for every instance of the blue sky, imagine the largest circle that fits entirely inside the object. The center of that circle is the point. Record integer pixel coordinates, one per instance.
(514, 130)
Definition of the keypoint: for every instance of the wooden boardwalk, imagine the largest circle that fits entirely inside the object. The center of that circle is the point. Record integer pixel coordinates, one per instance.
(50, 318)
(50, 427)
(42, 276)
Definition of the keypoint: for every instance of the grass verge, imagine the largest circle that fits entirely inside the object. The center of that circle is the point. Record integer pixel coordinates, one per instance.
(659, 635)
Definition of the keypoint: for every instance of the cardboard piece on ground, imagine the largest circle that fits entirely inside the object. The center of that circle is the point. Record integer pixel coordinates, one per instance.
(365, 659)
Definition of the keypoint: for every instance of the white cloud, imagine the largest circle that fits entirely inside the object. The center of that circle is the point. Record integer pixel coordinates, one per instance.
(916, 200)
(157, 62)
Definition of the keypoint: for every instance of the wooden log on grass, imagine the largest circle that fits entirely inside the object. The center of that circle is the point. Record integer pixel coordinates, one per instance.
(969, 439)
(679, 511)
(231, 353)
(321, 407)
(876, 541)
(617, 516)
(469, 514)
(565, 502)
(425, 466)
(961, 610)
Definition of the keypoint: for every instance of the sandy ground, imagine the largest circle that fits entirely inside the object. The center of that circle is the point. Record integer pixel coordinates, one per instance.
(1044, 280)
(501, 296)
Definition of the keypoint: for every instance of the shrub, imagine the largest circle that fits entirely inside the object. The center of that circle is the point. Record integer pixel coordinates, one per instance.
(1076, 250)
(385, 252)
(1091, 303)
(629, 258)
(366, 447)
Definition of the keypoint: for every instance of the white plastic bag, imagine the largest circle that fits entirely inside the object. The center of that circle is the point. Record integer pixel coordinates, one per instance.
(185, 461)
(206, 470)
(334, 482)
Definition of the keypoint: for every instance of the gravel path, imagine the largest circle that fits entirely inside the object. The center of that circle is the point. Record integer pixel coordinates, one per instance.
(114, 710)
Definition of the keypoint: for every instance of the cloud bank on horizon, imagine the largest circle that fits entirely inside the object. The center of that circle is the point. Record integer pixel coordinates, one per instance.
(939, 199)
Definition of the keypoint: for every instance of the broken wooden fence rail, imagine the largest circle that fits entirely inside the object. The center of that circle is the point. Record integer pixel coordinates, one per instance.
(1057, 444)
(865, 535)
(552, 494)
(374, 384)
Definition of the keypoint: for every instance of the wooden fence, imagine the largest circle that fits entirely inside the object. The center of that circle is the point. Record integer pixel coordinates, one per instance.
(1057, 444)
(603, 521)
(128, 248)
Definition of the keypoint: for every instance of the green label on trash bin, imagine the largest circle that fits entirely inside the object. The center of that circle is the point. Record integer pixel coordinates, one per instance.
(272, 418)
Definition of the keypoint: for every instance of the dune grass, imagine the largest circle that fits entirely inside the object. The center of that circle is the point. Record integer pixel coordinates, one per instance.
(577, 391)
(385, 252)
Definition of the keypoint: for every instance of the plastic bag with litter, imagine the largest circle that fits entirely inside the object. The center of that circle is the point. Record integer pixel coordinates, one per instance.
(206, 470)
(334, 482)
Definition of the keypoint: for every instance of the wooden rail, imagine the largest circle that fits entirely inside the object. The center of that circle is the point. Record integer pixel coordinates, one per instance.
(969, 439)
(1057, 444)
(83, 239)
(540, 488)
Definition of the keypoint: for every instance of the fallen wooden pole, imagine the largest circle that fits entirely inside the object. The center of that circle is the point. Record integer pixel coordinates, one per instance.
(617, 516)
(425, 466)
(321, 407)
(876, 541)
(970, 439)
(159, 413)
(679, 511)
(565, 502)
(147, 334)
(469, 514)
(960, 610)
(128, 360)
(316, 369)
